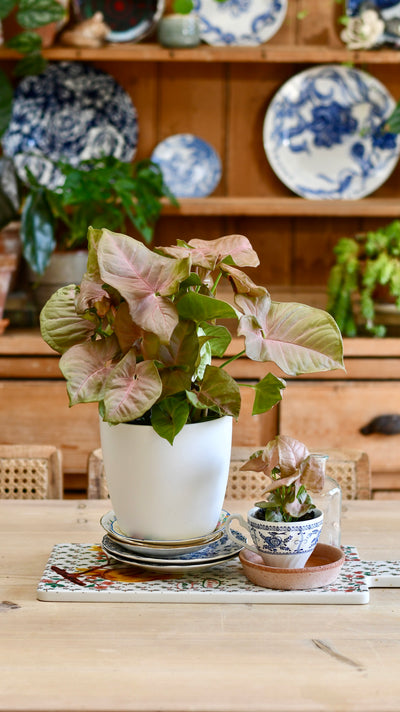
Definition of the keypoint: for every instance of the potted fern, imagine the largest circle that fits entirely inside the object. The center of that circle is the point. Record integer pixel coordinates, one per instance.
(138, 336)
(364, 282)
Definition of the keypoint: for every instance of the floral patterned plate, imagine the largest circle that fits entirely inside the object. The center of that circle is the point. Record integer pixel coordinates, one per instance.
(324, 133)
(239, 22)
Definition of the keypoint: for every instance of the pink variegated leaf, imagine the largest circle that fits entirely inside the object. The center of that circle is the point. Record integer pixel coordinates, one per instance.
(281, 482)
(86, 367)
(241, 282)
(131, 389)
(61, 327)
(210, 253)
(144, 279)
(313, 472)
(282, 451)
(297, 337)
(91, 294)
(127, 332)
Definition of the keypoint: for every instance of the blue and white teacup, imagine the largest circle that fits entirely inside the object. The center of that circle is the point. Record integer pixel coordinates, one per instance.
(286, 545)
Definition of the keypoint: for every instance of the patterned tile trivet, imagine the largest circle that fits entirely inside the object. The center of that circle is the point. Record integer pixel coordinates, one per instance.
(83, 572)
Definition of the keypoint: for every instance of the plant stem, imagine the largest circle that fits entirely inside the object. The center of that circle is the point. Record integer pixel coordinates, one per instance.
(233, 358)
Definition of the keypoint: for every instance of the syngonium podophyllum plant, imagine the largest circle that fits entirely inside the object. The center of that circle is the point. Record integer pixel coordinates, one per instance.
(292, 470)
(139, 333)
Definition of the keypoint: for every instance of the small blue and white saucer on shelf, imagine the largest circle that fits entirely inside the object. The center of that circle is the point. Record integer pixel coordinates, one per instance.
(239, 22)
(324, 133)
(191, 167)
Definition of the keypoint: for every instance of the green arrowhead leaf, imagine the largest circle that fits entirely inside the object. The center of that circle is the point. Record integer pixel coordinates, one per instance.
(199, 307)
(5, 8)
(220, 391)
(25, 42)
(6, 99)
(169, 416)
(37, 231)
(219, 337)
(268, 392)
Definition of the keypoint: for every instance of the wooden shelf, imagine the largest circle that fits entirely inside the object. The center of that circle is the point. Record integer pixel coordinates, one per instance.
(152, 52)
(284, 206)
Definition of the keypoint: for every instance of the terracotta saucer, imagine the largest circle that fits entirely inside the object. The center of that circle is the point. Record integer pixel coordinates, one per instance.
(321, 569)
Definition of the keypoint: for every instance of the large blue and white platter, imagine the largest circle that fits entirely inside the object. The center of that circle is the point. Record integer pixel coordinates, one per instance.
(239, 22)
(323, 133)
(191, 167)
(71, 112)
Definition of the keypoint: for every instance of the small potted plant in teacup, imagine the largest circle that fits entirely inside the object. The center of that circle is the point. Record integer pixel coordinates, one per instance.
(285, 527)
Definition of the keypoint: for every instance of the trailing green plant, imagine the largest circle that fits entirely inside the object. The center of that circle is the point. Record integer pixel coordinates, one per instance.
(363, 264)
(138, 334)
(292, 469)
(98, 192)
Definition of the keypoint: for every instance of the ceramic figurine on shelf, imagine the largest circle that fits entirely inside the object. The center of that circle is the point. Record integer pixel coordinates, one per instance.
(88, 33)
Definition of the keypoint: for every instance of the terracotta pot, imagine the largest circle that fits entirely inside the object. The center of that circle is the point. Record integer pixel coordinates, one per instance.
(64, 268)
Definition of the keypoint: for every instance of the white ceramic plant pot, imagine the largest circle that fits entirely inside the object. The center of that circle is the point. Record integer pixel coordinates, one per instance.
(162, 491)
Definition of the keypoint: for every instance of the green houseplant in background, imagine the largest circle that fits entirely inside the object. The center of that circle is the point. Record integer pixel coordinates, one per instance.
(138, 336)
(98, 192)
(366, 272)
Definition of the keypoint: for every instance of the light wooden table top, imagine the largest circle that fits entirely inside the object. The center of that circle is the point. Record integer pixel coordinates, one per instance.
(190, 657)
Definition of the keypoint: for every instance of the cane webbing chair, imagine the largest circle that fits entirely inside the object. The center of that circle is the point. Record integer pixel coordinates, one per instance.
(350, 468)
(30, 472)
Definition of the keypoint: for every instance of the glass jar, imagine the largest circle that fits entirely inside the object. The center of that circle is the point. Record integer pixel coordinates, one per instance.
(329, 501)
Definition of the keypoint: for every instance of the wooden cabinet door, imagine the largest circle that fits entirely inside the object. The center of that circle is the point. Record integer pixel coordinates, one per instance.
(331, 414)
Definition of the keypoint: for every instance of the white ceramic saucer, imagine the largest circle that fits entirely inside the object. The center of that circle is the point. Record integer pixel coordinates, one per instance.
(159, 549)
(210, 555)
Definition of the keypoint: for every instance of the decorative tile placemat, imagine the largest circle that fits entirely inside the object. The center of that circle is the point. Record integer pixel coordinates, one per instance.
(83, 572)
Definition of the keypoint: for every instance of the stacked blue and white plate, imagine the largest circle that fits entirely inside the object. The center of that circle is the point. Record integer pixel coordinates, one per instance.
(169, 556)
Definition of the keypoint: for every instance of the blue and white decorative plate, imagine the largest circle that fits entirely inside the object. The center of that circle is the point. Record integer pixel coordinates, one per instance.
(159, 549)
(71, 112)
(210, 555)
(191, 167)
(323, 133)
(239, 22)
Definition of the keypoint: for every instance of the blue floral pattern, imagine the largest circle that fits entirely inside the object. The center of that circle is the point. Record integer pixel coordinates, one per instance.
(70, 112)
(324, 133)
(239, 22)
(191, 167)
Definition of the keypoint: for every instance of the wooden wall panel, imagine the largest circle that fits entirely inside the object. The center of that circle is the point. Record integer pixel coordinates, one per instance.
(317, 22)
(251, 88)
(192, 99)
(312, 253)
(141, 83)
(272, 240)
(331, 414)
(40, 414)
